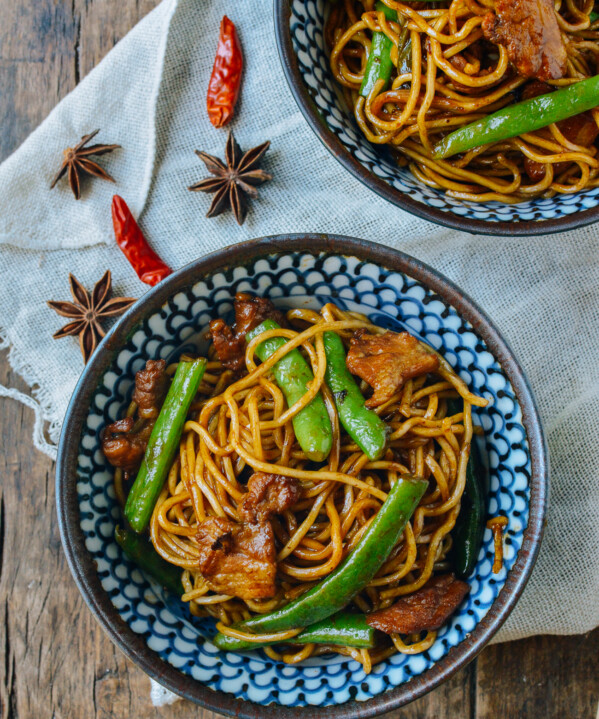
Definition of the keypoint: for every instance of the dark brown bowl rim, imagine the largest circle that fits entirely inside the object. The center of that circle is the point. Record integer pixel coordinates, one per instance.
(448, 219)
(83, 567)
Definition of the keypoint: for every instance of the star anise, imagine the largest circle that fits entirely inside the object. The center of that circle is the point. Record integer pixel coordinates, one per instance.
(233, 181)
(76, 162)
(87, 310)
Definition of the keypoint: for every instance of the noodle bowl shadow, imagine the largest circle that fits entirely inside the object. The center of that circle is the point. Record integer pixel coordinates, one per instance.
(157, 631)
(299, 33)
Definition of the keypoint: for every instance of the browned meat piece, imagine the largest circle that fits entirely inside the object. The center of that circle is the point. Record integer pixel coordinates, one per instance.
(269, 494)
(536, 88)
(249, 313)
(427, 609)
(530, 32)
(581, 129)
(230, 348)
(151, 386)
(237, 559)
(387, 361)
(536, 170)
(124, 444)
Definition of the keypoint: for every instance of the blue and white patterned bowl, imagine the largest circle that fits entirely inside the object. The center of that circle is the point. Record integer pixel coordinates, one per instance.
(299, 30)
(156, 630)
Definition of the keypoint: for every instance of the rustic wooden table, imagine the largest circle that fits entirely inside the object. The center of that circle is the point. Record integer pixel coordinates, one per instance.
(55, 661)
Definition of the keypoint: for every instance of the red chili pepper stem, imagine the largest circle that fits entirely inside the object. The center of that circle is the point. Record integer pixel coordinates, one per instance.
(146, 263)
(225, 80)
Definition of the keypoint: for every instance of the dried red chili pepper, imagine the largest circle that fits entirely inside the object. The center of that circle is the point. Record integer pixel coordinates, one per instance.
(225, 80)
(146, 263)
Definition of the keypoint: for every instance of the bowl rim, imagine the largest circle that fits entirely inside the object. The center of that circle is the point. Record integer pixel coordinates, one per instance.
(83, 567)
(308, 108)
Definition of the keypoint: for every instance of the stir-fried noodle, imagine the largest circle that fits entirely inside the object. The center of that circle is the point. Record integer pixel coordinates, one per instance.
(239, 425)
(446, 74)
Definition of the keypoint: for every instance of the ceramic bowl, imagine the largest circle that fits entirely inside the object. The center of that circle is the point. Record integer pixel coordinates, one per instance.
(156, 630)
(299, 32)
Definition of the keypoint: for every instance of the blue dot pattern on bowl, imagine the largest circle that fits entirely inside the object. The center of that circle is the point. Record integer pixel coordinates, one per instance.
(298, 279)
(306, 26)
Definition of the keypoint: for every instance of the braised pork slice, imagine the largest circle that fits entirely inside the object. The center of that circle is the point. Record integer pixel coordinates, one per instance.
(269, 494)
(237, 559)
(151, 386)
(534, 88)
(229, 348)
(386, 361)
(529, 30)
(250, 311)
(124, 443)
(427, 609)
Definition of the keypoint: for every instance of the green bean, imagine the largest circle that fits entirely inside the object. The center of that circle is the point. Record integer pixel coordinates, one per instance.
(379, 65)
(404, 59)
(343, 629)
(142, 553)
(526, 116)
(337, 590)
(311, 424)
(470, 525)
(363, 425)
(163, 443)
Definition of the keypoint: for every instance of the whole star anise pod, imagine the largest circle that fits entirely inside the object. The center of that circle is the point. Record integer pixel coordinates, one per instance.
(76, 161)
(233, 181)
(87, 310)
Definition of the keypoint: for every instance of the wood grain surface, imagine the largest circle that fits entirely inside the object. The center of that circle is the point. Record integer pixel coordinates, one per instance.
(55, 661)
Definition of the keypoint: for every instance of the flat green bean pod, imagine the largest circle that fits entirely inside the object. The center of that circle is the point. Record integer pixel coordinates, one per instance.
(363, 425)
(379, 65)
(344, 628)
(523, 117)
(163, 443)
(470, 524)
(311, 424)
